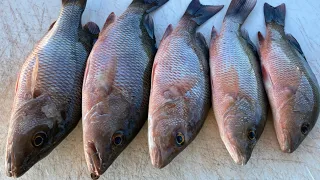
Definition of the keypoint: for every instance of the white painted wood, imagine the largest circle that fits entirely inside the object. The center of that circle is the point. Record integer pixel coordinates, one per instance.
(24, 22)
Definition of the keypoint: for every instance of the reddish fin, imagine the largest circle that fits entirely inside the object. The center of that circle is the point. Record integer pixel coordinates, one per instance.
(214, 33)
(17, 83)
(51, 26)
(34, 77)
(111, 18)
(260, 37)
(201, 13)
(239, 10)
(167, 33)
(180, 88)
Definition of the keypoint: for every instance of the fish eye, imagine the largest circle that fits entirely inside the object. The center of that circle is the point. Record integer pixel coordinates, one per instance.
(179, 139)
(252, 134)
(305, 128)
(39, 139)
(118, 138)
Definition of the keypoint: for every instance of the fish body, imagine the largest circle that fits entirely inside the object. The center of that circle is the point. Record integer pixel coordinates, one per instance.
(180, 93)
(292, 87)
(47, 103)
(238, 96)
(117, 84)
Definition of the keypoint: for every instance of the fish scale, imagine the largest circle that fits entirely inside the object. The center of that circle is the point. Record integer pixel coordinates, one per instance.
(180, 93)
(238, 96)
(292, 87)
(47, 104)
(117, 84)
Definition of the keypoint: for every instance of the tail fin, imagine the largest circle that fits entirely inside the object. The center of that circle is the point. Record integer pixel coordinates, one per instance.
(154, 3)
(201, 13)
(275, 14)
(240, 9)
(81, 3)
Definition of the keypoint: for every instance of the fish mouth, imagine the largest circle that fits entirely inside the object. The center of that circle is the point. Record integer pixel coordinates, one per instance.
(156, 158)
(238, 156)
(287, 145)
(95, 164)
(13, 171)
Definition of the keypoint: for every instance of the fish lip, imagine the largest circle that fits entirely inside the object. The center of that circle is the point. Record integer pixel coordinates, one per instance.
(96, 165)
(156, 158)
(286, 143)
(237, 155)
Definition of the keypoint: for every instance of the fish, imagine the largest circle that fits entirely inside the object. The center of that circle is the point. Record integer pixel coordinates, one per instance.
(291, 86)
(117, 84)
(180, 91)
(47, 102)
(238, 96)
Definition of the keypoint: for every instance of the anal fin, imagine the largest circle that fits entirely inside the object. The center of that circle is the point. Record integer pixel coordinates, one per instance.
(149, 25)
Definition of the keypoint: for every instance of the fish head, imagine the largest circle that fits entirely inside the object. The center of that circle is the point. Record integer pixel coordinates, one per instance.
(293, 127)
(241, 129)
(108, 128)
(170, 132)
(33, 133)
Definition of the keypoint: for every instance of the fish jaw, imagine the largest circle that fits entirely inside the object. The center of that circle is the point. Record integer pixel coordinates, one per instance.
(239, 152)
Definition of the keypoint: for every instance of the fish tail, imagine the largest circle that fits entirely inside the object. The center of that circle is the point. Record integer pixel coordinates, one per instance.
(155, 4)
(239, 10)
(201, 13)
(81, 3)
(275, 14)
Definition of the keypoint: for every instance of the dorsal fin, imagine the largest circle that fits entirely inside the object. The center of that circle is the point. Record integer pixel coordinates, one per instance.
(167, 33)
(201, 41)
(111, 18)
(295, 44)
(246, 36)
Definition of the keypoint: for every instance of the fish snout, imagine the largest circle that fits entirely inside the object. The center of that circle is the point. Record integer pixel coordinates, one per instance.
(155, 155)
(96, 163)
(287, 144)
(241, 158)
(11, 167)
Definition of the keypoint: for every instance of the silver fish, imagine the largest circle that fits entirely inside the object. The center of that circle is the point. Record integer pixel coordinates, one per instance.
(47, 104)
(117, 84)
(239, 100)
(291, 85)
(180, 93)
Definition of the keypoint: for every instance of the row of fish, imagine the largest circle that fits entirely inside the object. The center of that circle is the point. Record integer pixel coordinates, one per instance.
(127, 80)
